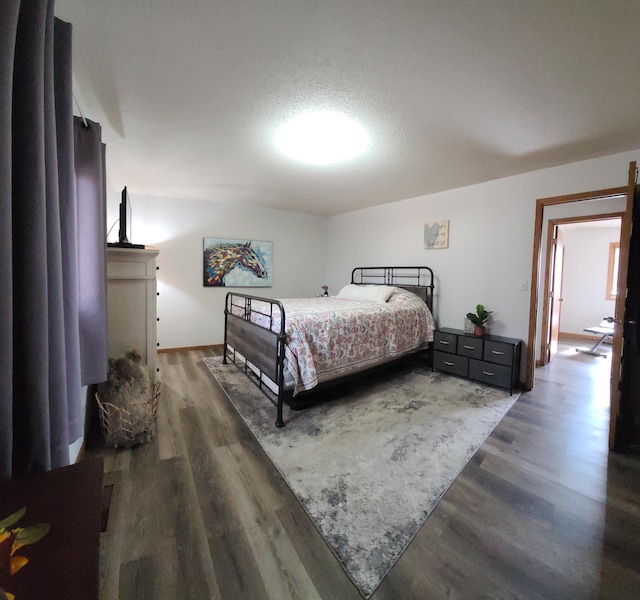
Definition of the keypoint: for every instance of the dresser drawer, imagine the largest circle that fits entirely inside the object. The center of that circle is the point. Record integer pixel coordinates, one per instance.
(451, 363)
(491, 373)
(470, 346)
(445, 342)
(498, 352)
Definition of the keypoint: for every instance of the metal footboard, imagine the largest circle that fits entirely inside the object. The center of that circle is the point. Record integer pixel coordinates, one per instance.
(261, 348)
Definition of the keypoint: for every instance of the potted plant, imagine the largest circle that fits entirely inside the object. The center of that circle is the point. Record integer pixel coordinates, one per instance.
(479, 318)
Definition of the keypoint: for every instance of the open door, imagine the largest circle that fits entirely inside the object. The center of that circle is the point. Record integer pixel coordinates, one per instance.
(624, 433)
(555, 294)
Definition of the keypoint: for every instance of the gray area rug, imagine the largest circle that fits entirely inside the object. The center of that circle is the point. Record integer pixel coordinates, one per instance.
(373, 459)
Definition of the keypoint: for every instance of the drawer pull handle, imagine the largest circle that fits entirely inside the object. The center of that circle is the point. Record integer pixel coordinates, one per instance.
(445, 343)
(469, 347)
(497, 352)
(488, 373)
(449, 364)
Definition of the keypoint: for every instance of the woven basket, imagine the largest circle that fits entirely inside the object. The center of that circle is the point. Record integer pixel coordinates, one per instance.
(133, 421)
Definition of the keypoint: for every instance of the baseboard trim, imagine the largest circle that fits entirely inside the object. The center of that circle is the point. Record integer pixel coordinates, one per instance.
(189, 348)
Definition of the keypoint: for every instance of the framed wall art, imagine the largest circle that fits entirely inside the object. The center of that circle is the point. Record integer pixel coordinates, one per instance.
(237, 262)
(436, 235)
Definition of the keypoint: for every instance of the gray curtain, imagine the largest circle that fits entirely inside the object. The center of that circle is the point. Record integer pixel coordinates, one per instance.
(41, 405)
(92, 256)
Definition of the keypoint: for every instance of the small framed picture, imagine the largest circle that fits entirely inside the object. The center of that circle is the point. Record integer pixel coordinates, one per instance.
(436, 235)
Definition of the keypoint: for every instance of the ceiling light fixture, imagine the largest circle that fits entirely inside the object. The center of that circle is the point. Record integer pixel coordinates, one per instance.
(321, 138)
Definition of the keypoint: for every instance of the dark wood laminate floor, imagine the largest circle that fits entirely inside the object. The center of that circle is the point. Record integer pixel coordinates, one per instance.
(542, 511)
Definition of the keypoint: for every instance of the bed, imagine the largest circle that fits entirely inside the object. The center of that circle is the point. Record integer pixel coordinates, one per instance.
(291, 347)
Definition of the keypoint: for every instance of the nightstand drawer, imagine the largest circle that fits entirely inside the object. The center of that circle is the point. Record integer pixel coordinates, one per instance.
(491, 359)
(451, 363)
(490, 373)
(445, 342)
(498, 352)
(470, 346)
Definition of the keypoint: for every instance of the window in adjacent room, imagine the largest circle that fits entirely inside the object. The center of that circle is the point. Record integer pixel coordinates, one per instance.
(612, 272)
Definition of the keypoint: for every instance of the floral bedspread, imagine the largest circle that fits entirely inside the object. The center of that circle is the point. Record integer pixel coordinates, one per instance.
(328, 336)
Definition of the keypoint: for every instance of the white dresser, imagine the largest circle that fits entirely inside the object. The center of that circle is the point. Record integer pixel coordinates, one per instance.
(131, 303)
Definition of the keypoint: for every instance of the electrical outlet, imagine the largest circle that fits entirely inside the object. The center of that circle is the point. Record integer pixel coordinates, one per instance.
(524, 286)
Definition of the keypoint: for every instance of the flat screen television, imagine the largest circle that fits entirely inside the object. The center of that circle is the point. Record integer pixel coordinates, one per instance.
(122, 233)
(123, 238)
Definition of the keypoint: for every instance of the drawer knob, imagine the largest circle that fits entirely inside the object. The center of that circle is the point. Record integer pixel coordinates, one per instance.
(497, 352)
(469, 347)
(488, 373)
(449, 364)
(443, 342)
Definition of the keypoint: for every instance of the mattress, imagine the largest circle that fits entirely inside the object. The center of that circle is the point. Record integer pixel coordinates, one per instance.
(329, 337)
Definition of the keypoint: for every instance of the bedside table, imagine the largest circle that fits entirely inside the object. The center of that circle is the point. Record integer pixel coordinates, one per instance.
(491, 359)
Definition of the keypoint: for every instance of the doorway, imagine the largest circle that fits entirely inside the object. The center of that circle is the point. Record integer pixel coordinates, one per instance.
(576, 294)
(624, 422)
(585, 201)
(544, 209)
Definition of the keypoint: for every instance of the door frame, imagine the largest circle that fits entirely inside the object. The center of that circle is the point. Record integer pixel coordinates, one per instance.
(541, 203)
(545, 324)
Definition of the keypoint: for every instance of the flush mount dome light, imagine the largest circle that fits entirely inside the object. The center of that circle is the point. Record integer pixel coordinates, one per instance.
(321, 138)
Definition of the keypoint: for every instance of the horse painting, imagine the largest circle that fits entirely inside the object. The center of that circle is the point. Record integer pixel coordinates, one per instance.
(223, 256)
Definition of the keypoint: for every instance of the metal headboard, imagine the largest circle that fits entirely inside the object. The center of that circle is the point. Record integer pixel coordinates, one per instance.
(418, 280)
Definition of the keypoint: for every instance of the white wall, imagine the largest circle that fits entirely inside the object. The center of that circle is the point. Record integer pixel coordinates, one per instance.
(584, 281)
(191, 314)
(490, 240)
(488, 259)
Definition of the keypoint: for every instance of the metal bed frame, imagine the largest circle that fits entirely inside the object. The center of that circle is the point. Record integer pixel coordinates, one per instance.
(263, 349)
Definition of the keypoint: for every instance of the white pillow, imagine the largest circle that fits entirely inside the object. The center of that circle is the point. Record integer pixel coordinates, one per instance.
(370, 293)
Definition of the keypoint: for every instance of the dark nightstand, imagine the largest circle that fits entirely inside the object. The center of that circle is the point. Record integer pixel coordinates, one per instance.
(491, 359)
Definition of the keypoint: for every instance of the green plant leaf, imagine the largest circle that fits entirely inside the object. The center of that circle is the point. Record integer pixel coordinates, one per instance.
(473, 318)
(481, 315)
(32, 534)
(13, 519)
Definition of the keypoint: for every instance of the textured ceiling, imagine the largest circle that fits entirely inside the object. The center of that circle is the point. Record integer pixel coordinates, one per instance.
(453, 92)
